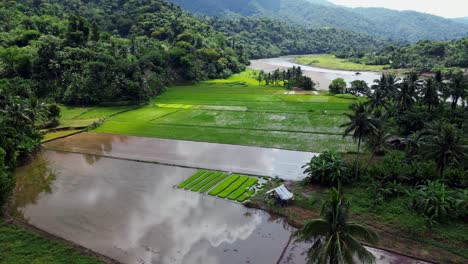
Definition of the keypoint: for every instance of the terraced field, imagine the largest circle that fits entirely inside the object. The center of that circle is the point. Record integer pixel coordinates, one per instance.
(222, 185)
(236, 111)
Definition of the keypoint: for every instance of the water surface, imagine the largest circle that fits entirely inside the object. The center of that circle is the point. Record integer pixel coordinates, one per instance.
(323, 76)
(270, 162)
(130, 211)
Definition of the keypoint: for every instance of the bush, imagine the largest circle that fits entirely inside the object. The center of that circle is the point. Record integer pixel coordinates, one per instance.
(6, 181)
(396, 167)
(338, 86)
(434, 201)
(328, 169)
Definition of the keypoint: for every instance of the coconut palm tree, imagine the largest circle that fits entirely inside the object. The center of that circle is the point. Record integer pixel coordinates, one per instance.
(430, 93)
(443, 143)
(457, 88)
(361, 124)
(377, 141)
(335, 239)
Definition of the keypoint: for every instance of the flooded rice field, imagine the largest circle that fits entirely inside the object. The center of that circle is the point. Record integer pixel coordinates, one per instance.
(322, 76)
(131, 211)
(232, 158)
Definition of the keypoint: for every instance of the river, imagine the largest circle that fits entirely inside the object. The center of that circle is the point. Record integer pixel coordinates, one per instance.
(323, 77)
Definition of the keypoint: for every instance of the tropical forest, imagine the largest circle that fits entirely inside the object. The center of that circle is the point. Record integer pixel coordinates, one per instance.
(219, 131)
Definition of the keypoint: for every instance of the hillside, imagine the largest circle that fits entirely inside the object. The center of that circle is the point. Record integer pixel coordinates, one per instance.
(463, 20)
(384, 23)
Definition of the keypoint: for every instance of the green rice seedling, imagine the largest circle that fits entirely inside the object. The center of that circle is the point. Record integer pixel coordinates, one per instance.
(192, 178)
(244, 187)
(206, 181)
(234, 186)
(223, 185)
(198, 180)
(245, 196)
(213, 182)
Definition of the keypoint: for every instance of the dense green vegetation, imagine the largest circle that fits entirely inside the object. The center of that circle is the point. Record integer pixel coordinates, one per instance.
(423, 56)
(406, 26)
(68, 51)
(21, 246)
(263, 37)
(424, 165)
(239, 111)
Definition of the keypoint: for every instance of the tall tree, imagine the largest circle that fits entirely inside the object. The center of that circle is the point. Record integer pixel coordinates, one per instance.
(361, 124)
(430, 93)
(334, 238)
(443, 144)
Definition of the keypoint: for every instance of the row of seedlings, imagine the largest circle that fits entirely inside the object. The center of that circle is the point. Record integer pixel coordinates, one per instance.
(223, 185)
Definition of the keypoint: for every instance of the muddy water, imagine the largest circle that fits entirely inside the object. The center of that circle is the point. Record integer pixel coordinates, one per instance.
(322, 76)
(130, 211)
(240, 159)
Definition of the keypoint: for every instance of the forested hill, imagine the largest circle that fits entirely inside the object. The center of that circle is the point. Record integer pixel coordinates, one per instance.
(90, 52)
(463, 20)
(263, 37)
(384, 23)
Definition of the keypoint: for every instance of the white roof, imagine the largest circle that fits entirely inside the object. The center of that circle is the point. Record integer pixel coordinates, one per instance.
(282, 192)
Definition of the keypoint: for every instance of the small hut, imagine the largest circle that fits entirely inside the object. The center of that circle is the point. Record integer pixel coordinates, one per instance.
(281, 195)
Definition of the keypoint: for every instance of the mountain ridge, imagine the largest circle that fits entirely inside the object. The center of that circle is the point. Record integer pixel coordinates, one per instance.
(400, 26)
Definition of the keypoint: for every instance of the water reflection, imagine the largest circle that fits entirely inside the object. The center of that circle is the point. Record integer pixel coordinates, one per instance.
(131, 212)
(241, 159)
(322, 76)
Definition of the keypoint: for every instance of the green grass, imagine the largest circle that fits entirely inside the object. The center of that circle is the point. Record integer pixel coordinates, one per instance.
(232, 111)
(58, 134)
(192, 178)
(226, 192)
(198, 180)
(223, 185)
(21, 246)
(77, 123)
(206, 181)
(213, 183)
(331, 62)
(245, 196)
(243, 188)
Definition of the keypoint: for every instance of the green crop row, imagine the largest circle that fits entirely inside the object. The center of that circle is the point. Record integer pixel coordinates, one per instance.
(244, 187)
(192, 178)
(223, 185)
(245, 196)
(198, 180)
(213, 182)
(226, 192)
(206, 181)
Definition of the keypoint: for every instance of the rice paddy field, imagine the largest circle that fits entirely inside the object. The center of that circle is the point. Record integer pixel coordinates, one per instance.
(233, 187)
(233, 111)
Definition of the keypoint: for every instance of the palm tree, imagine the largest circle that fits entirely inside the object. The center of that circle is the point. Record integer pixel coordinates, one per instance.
(407, 92)
(335, 239)
(443, 143)
(458, 88)
(377, 141)
(361, 124)
(430, 93)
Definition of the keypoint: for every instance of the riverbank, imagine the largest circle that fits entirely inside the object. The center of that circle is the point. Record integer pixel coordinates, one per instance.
(436, 245)
(329, 61)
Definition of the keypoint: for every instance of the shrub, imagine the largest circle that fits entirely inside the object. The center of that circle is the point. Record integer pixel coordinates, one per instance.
(434, 201)
(338, 86)
(328, 169)
(6, 181)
